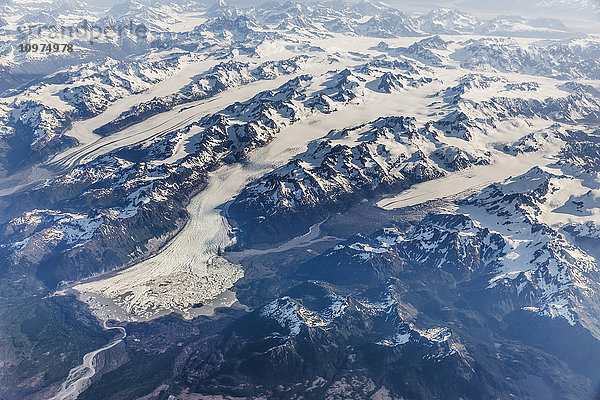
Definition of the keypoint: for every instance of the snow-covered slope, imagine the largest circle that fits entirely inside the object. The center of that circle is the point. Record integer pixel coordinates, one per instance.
(129, 166)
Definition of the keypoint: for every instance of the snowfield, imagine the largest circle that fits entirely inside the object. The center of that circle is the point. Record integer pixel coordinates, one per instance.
(372, 184)
(463, 183)
(188, 270)
(471, 98)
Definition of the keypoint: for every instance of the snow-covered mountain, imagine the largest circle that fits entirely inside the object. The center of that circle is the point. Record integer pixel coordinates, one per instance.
(563, 59)
(35, 119)
(449, 21)
(219, 78)
(317, 200)
(387, 154)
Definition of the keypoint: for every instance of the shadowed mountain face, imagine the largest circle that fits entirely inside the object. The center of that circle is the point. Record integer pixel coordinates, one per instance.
(343, 200)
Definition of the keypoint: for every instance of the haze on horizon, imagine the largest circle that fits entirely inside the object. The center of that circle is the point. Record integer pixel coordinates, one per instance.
(579, 15)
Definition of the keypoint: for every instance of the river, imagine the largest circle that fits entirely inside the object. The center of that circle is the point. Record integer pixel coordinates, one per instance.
(80, 377)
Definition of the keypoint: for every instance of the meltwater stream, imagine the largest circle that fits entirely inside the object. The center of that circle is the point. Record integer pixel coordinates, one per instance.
(80, 377)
